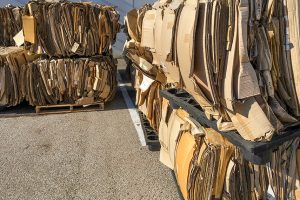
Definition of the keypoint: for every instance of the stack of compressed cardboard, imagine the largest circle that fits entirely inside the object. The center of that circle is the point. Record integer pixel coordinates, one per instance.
(10, 24)
(240, 66)
(78, 41)
(80, 81)
(66, 29)
(238, 59)
(13, 75)
(75, 65)
(150, 79)
(207, 166)
(12, 58)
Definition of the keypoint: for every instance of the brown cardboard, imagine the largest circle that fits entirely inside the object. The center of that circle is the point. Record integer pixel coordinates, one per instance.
(131, 21)
(168, 31)
(201, 69)
(70, 81)
(80, 29)
(236, 59)
(236, 67)
(293, 12)
(85, 101)
(12, 83)
(157, 51)
(29, 28)
(169, 131)
(184, 154)
(245, 119)
(10, 24)
(185, 51)
(167, 34)
(247, 79)
(148, 38)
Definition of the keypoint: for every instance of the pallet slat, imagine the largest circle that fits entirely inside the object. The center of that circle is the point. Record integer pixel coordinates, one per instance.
(68, 108)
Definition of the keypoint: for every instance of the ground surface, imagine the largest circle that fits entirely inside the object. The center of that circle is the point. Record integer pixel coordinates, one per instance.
(95, 155)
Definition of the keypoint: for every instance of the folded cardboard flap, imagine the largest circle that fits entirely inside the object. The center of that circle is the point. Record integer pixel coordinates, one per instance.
(201, 160)
(184, 154)
(85, 101)
(167, 35)
(19, 38)
(164, 139)
(29, 28)
(141, 15)
(157, 51)
(148, 98)
(131, 22)
(169, 130)
(148, 37)
(226, 152)
(246, 119)
(247, 79)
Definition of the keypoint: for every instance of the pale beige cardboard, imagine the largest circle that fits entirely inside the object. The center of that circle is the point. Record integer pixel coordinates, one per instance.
(251, 122)
(185, 52)
(169, 132)
(293, 9)
(247, 79)
(157, 52)
(148, 36)
(19, 38)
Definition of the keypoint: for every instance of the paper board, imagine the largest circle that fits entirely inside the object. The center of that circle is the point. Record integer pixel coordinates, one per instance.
(29, 27)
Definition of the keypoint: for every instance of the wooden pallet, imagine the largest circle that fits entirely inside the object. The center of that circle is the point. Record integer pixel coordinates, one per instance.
(68, 108)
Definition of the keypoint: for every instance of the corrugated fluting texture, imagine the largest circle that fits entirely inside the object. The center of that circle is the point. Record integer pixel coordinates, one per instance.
(123, 6)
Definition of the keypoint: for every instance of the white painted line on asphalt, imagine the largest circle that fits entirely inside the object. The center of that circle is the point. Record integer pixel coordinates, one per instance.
(132, 111)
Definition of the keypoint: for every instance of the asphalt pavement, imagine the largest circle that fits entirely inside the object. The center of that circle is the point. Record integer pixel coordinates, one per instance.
(81, 156)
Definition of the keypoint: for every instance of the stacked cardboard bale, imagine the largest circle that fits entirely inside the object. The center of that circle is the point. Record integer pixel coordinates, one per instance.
(246, 69)
(12, 58)
(238, 59)
(75, 63)
(80, 68)
(66, 29)
(150, 79)
(207, 166)
(13, 85)
(238, 62)
(80, 81)
(10, 24)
